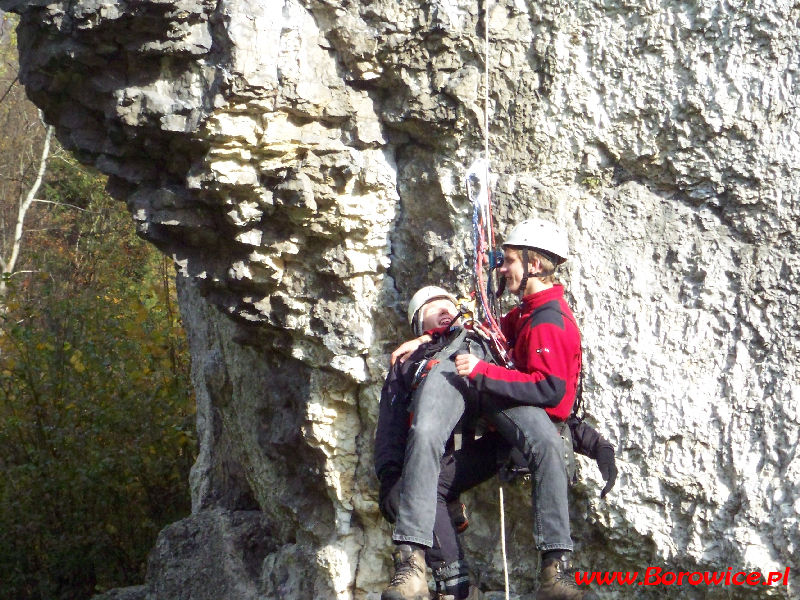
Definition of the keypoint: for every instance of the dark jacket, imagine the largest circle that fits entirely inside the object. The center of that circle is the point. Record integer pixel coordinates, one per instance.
(394, 417)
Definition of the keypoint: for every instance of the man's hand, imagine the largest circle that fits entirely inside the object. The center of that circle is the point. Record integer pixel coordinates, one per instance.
(406, 349)
(465, 363)
(608, 468)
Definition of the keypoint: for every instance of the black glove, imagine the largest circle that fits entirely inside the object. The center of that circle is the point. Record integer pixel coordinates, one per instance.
(389, 497)
(458, 515)
(608, 468)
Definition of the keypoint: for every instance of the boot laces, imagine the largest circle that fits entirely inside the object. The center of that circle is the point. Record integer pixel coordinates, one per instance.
(404, 570)
(566, 574)
(567, 579)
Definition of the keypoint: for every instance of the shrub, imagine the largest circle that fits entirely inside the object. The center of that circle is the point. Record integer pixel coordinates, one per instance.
(96, 412)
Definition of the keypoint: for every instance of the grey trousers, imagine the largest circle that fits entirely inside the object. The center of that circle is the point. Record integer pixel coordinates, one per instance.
(438, 404)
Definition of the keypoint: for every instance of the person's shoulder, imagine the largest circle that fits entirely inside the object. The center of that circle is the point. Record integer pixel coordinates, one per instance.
(416, 357)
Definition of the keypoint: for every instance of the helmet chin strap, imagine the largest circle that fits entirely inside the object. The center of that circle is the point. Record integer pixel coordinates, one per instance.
(524, 283)
(526, 275)
(501, 287)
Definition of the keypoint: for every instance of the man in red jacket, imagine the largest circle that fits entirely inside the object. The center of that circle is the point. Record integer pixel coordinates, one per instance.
(522, 404)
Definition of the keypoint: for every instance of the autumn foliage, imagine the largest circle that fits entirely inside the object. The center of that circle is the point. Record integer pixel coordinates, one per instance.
(96, 423)
(96, 412)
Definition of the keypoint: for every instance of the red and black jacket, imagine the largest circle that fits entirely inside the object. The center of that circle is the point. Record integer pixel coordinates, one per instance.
(546, 350)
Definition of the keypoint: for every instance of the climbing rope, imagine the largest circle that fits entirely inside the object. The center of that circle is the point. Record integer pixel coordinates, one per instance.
(486, 79)
(486, 319)
(487, 310)
(503, 539)
(487, 315)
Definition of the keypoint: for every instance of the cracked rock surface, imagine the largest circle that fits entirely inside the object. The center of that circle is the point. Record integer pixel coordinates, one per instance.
(303, 163)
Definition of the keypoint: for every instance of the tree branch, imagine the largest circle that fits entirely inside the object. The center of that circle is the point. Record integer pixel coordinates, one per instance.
(16, 78)
(23, 209)
(62, 204)
(23, 273)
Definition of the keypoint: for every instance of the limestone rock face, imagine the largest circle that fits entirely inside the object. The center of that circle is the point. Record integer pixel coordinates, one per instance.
(303, 163)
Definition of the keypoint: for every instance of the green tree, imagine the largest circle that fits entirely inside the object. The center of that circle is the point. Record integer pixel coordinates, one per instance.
(96, 413)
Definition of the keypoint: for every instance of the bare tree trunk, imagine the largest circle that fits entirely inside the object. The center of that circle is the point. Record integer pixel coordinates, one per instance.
(8, 265)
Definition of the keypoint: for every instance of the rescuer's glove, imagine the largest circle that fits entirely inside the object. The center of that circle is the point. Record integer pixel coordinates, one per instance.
(608, 467)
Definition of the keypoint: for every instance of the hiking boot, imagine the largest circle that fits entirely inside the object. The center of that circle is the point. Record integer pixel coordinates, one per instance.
(557, 582)
(409, 582)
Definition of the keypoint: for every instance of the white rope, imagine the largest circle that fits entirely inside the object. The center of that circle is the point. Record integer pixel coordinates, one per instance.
(486, 188)
(503, 540)
(486, 86)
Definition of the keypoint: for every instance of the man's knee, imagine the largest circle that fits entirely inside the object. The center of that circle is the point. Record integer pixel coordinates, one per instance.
(428, 432)
(532, 422)
(548, 443)
(539, 437)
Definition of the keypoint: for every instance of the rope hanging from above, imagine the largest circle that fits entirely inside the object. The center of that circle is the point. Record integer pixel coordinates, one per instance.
(483, 239)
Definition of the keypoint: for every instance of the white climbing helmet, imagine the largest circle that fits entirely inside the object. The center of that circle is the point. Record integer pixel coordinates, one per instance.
(420, 299)
(542, 235)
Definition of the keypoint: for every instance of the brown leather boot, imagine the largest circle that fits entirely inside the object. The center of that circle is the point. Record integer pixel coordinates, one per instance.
(557, 582)
(409, 581)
